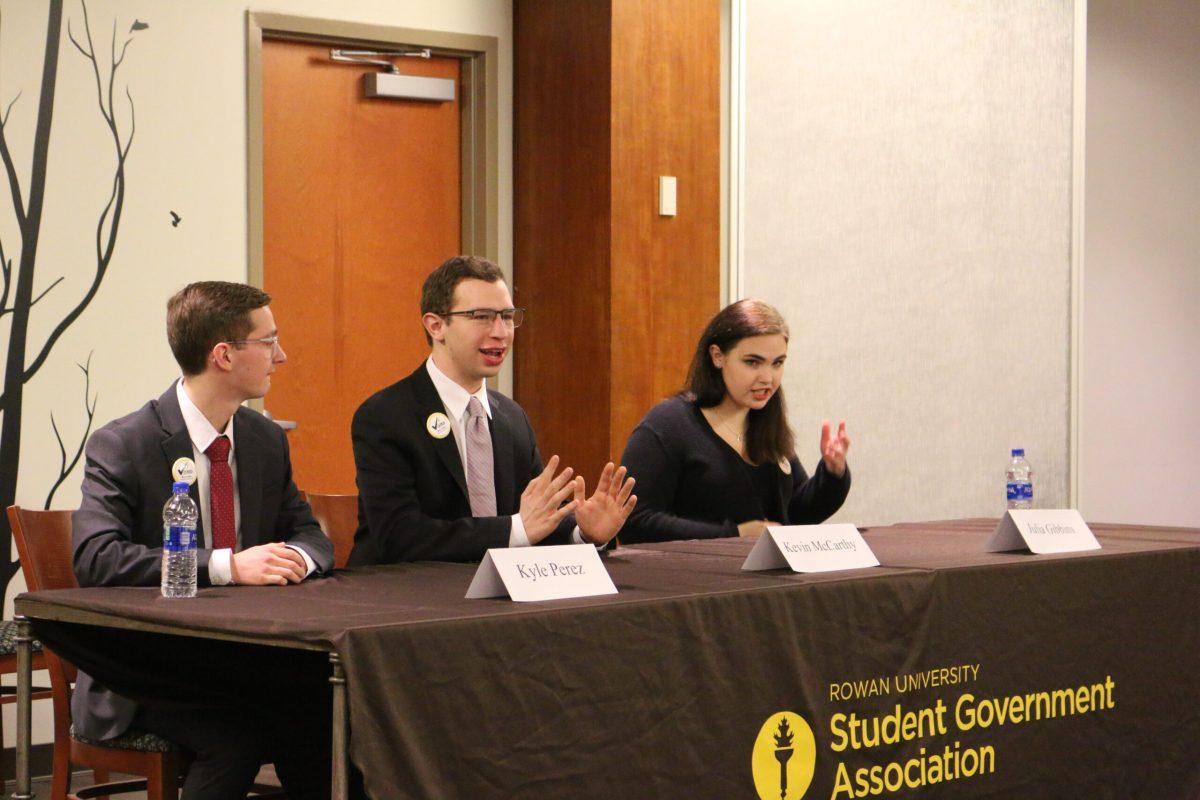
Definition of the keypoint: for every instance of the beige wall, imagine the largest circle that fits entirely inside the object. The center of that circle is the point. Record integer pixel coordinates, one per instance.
(187, 76)
(908, 208)
(1140, 403)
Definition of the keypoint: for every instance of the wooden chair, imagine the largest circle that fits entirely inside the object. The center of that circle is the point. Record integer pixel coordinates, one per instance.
(337, 514)
(44, 545)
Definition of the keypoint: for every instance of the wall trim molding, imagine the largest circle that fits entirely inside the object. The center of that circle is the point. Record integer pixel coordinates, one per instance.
(1078, 195)
(736, 176)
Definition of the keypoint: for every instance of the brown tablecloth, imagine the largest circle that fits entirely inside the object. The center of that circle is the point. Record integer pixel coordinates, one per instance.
(663, 689)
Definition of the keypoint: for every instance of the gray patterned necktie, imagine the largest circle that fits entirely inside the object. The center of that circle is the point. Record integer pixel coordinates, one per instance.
(481, 482)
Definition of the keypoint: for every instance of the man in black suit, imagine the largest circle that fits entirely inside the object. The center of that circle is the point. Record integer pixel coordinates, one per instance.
(256, 530)
(448, 469)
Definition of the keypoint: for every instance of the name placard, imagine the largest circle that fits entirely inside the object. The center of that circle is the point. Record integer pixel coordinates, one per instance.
(811, 548)
(553, 572)
(1059, 530)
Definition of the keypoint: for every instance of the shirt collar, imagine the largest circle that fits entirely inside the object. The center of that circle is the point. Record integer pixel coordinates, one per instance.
(199, 429)
(455, 397)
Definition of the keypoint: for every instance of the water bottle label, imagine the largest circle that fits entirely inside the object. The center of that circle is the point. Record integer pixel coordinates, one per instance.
(179, 538)
(1020, 491)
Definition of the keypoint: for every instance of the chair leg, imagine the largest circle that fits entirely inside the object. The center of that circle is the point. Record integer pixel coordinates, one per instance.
(60, 774)
(162, 782)
(154, 784)
(101, 776)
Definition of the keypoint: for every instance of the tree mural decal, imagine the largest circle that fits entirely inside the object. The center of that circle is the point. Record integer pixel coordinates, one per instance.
(17, 298)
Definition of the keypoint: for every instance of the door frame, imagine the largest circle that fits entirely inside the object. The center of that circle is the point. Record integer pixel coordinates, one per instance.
(480, 115)
(480, 128)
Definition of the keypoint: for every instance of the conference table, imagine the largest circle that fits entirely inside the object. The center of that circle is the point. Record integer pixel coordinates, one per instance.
(946, 671)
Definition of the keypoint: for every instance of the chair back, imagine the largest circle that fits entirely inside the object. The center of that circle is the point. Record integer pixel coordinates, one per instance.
(337, 514)
(44, 547)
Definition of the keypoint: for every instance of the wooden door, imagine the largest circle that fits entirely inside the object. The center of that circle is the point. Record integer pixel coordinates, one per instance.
(361, 199)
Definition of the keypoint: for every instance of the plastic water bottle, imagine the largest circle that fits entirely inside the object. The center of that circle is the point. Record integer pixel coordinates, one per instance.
(179, 544)
(1020, 481)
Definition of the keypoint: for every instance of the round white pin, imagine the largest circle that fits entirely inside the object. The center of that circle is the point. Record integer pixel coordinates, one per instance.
(785, 466)
(438, 425)
(184, 470)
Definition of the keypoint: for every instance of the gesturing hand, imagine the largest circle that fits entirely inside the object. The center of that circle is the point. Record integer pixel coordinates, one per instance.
(833, 448)
(271, 563)
(600, 516)
(541, 502)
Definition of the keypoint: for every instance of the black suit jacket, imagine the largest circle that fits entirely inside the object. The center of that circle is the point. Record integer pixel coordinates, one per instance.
(412, 489)
(116, 534)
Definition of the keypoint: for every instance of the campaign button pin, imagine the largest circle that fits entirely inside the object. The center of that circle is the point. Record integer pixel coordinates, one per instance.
(184, 470)
(438, 425)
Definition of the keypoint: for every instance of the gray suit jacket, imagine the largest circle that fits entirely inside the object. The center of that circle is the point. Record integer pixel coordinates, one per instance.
(117, 531)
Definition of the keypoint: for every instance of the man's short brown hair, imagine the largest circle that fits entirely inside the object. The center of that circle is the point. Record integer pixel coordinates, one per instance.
(201, 315)
(437, 295)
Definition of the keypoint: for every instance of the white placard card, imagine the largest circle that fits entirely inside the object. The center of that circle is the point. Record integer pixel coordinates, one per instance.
(1059, 530)
(553, 572)
(811, 548)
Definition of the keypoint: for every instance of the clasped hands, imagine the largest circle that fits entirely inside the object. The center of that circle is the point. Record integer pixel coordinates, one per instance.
(544, 503)
(271, 563)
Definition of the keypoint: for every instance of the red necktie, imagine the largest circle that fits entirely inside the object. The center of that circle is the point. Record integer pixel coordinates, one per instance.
(220, 494)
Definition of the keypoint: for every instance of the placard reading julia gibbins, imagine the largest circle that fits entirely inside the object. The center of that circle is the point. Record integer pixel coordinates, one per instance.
(541, 573)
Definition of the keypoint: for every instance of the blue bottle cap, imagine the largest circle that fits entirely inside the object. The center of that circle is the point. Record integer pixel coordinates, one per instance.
(1018, 451)
(179, 487)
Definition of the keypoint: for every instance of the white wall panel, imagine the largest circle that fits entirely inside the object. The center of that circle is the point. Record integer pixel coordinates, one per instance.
(1140, 426)
(908, 208)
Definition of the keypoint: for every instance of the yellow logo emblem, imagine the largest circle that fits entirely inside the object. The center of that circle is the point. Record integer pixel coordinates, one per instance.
(785, 754)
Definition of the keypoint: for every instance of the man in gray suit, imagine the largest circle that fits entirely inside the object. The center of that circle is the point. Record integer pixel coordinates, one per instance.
(255, 530)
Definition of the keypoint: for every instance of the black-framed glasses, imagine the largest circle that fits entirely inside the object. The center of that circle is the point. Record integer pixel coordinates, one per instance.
(512, 317)
(272, 341)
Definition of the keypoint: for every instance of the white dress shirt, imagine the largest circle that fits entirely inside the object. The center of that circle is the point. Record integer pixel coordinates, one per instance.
(455, 399)
(202, 433)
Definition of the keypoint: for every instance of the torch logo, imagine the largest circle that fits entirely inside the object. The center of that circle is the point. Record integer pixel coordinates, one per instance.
(784, 757)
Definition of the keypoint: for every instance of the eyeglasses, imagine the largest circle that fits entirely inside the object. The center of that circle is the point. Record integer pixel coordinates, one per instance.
(271, 341)
(512, 317)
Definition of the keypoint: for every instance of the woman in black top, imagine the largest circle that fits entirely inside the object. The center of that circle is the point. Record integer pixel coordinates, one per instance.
(718, 459)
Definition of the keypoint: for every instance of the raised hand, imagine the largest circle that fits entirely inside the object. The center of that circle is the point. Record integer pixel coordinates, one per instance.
(542, 501)
(271, 563)
(601, 516)
(833, 448)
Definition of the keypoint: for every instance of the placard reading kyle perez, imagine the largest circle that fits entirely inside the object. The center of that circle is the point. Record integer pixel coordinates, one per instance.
(552, 572)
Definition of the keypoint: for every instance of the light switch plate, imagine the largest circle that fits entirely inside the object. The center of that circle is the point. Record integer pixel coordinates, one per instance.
(666, 196)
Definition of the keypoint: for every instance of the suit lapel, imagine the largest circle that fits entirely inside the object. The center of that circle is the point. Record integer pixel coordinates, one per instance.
(502, 458)
(177, 444)
(247, 453)
(429, 402)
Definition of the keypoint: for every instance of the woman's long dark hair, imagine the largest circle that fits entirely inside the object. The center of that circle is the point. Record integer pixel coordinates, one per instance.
(768, 437)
